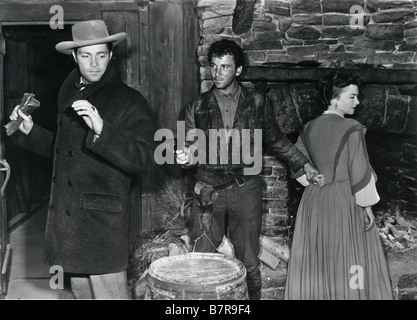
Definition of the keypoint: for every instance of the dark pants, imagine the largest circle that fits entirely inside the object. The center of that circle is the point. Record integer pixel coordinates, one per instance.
(237, 213)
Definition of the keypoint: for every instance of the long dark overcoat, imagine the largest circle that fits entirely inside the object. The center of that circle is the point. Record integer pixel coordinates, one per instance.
(87, 225)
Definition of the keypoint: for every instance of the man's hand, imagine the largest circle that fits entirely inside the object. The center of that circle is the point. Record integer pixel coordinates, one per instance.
(183, 156)
(27, 123)
(90, 115)
(310, 171)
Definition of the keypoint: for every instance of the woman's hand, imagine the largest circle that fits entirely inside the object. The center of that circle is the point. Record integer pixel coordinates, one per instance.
(369, 218)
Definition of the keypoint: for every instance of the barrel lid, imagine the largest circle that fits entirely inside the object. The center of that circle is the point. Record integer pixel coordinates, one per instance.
(197, 268)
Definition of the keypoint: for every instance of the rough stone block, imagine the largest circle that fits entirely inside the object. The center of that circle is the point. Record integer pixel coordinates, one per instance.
(272, 220)
(410, 25)
(258, 56)
(303, 32)
(266, 172)
(342, 6)
(341, 32)
(308, 19)
(396, 114)
(274, 204)
(394, 16)
(284, 107)
(281, 232)
(412, 32)
(284, 23)
(216, 13)
(385, 45)
(268, 35)
(336, 19)
(275, 193)
(218, 30)
(263, 45)
(319, 41)
(378, 5)
(388, 58)
(218, 22)
(280, 172)
(337, 48)
(385, 31)
(408, 47)
(305, 6)
(262, 17)
(263, 26)
(372, 108)
(305, 100)
(347, 40)
(307, 50)
(294, 42)
(277, 10)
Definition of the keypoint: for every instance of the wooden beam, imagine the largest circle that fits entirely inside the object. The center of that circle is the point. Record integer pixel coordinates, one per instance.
(367, 75)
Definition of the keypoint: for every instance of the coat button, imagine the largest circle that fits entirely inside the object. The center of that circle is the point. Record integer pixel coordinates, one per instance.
(68, 213)
(53, 179)
(51, 207)
(78, 124)
(60, 123)
(69, 183)
(70, 153)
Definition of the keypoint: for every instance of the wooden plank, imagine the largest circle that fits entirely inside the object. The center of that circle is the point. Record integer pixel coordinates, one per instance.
(144, 53)
(166, 39)
(368, 75)
(127, 52)
(191, 42)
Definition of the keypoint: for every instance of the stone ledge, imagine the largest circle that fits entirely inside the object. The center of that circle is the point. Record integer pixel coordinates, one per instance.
(367, 75)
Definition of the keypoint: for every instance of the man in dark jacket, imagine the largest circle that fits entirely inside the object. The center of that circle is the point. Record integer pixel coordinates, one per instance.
(104, 138)
(228, 194)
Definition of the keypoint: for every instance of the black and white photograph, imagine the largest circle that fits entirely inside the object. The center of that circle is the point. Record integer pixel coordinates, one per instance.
(211, 156)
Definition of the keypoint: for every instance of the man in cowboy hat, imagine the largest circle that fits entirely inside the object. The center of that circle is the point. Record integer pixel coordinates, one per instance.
(104, 138)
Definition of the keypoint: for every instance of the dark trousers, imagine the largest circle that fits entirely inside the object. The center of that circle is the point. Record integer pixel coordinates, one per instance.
(237, 213)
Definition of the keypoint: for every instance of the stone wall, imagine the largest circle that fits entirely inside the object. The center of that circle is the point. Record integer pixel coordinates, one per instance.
(321, 30)
(290, 31)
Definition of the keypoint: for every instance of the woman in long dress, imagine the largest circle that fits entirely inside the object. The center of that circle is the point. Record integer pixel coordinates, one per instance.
(336, 251)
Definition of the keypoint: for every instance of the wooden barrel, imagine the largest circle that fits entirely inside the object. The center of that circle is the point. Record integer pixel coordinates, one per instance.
(196, 276)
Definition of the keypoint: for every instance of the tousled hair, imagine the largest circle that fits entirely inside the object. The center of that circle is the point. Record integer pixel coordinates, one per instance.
(222, 47)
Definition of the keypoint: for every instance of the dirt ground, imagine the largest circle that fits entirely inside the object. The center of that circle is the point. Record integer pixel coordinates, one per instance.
(403, 262)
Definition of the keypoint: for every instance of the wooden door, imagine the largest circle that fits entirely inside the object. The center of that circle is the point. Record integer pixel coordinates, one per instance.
(5, 251)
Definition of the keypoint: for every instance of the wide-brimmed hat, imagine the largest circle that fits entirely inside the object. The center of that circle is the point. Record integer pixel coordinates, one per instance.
(88, 33)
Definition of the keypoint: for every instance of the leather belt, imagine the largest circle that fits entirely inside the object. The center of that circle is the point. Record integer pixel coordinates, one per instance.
(239, 181)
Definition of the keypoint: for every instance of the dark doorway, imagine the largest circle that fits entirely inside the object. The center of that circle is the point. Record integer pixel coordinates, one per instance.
(31, 65)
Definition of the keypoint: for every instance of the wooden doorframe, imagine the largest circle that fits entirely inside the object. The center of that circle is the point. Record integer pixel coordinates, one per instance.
(31, 13)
